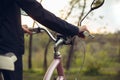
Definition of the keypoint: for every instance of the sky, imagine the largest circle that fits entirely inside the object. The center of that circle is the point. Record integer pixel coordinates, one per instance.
(111, 16)
(109, 12)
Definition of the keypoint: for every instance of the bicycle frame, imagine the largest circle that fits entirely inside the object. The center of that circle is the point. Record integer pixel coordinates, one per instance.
(56, 64)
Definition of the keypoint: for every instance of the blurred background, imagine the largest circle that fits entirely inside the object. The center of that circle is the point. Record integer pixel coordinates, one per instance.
(102, 54)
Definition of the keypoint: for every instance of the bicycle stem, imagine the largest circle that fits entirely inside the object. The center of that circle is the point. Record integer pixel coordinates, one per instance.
(58, 44)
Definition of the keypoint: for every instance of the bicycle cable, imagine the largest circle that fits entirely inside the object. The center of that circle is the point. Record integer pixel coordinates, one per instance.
(83, 61)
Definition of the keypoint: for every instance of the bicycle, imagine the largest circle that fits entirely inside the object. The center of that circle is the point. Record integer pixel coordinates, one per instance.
(62, 40)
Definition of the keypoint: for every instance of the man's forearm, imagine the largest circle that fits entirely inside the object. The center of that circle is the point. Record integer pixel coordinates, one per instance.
(46, 18)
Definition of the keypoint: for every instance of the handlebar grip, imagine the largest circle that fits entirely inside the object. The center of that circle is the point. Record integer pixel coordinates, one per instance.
(87, 34)
(35, 30)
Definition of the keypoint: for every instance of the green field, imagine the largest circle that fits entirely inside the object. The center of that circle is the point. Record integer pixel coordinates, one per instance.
(37, 75)
(102, 59)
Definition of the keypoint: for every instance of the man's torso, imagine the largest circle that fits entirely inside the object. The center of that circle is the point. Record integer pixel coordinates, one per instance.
(11, 33)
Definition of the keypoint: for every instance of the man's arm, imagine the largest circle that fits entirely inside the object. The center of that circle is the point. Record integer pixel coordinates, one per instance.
(44, 17)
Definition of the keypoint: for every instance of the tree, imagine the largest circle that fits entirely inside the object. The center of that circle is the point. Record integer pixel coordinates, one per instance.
(72, 48)
(30, 51)
(30, 46)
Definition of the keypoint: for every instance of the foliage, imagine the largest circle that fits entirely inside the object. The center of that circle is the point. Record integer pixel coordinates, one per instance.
(101, 53)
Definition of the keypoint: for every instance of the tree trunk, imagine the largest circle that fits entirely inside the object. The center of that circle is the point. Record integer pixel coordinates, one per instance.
(45, 55)
(30, 50)
(30, 53)
(70, 55)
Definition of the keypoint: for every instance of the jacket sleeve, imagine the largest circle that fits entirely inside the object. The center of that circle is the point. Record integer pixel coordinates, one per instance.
(35, 10)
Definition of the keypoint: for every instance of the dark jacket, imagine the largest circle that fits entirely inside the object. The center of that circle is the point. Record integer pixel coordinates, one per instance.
(11, 33)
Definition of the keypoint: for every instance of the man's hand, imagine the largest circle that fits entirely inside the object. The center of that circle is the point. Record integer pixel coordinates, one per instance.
(81, 30)
(26, 29)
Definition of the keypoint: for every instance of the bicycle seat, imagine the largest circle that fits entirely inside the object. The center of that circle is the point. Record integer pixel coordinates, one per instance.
(7, 61)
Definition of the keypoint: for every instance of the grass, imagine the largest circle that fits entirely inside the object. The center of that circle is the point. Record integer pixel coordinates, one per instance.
(38, 75)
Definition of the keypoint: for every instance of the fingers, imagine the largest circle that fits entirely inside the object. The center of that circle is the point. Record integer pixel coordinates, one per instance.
(82, 30)
(26, 29)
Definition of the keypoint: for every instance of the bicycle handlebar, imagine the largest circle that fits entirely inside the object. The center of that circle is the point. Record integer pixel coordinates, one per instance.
(60, 38)
(65, 40)
(39, 29)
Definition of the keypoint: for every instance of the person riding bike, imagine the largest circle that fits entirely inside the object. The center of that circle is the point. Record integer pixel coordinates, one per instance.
(12, 33)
